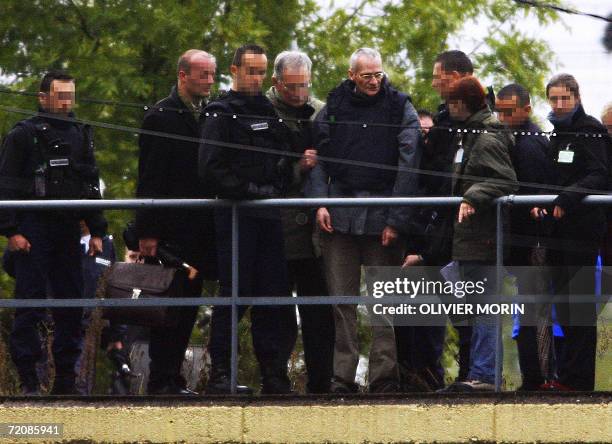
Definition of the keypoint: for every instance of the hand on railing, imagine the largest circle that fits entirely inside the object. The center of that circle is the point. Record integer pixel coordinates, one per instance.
(465, 211)
(539, 213)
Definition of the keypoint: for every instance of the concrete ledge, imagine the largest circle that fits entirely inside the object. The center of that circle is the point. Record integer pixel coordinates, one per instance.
(441, 419)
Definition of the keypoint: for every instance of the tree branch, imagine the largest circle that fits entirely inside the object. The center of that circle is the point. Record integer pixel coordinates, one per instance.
(82, 20)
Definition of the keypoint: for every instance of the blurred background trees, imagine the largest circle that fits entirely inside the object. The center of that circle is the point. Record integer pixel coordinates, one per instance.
(126, 51)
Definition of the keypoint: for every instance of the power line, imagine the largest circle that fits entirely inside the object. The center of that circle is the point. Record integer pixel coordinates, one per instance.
(145, 107)
(324, 159)
(537, 4)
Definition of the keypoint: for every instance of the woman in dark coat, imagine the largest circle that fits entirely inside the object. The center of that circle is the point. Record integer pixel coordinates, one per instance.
(580, 162)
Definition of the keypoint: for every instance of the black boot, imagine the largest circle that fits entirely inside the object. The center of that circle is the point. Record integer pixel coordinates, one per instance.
(220, 384)
(30, 385)
(30, 388)
(274, 381)
(529, 359)
(64, 385)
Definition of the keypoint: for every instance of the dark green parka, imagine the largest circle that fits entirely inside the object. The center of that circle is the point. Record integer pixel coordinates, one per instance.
(483, 173)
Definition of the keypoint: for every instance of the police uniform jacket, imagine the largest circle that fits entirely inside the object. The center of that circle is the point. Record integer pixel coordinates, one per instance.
(253, 166)
(21, 156)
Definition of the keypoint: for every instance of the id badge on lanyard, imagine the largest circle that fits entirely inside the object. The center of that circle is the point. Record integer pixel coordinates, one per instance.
(566, 156)
(459, 153)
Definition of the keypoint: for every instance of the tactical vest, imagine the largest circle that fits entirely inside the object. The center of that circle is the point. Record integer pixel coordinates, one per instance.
(59, 174)
(256, 127)
(364, 142)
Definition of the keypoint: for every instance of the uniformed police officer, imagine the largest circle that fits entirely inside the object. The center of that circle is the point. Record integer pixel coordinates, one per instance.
(245, 116)
(49, 157)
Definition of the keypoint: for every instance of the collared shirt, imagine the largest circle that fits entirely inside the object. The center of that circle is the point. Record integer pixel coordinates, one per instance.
(195, 108)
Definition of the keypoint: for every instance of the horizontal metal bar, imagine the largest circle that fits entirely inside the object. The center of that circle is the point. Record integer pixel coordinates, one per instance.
(125, 204)
(547, 199)
(274, 300)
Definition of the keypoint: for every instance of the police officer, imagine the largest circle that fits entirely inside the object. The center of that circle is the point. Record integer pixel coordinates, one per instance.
(248, 174)
(49, 157)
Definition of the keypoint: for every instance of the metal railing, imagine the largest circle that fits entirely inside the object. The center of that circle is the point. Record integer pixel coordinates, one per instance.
(235, 300)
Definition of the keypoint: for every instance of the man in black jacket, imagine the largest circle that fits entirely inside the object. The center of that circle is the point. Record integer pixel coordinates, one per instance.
(581, 168)
(49, 157)
(246, 117)
(435, 225)
(528, 157)
(167, 168)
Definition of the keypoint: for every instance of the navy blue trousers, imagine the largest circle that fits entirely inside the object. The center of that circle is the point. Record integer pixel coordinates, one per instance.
(262, 272)
(53, 266)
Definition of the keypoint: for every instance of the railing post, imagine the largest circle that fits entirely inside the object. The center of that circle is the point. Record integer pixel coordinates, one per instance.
(235, 287)
(499, 362)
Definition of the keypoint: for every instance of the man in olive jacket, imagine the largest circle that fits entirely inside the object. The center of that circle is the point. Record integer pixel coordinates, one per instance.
(290, 96)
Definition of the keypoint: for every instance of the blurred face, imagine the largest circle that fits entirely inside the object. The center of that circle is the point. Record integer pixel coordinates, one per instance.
(458, 111)
(442, 80)
(562, 101)
(426, 124)
(368, 75)
(249, 77)
(294, 88)
(60, 99)
(200, 78)
(607, 121)
(510, 113)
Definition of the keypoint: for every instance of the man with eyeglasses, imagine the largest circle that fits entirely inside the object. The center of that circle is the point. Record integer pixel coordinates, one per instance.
(387, 134)
(290, 95)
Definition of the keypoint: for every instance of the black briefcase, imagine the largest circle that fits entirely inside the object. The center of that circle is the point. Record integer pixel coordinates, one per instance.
(142, 281)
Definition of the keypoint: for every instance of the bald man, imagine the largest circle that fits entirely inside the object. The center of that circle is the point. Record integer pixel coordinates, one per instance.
(167, 168)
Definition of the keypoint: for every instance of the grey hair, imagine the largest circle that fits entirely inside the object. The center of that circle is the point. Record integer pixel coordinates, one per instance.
(293, 59)
(184, 61)
(364, 52)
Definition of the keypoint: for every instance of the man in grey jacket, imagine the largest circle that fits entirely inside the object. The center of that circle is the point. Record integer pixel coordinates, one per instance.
(368, 236)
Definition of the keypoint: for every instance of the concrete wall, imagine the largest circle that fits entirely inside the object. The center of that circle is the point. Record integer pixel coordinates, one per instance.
(460, 420)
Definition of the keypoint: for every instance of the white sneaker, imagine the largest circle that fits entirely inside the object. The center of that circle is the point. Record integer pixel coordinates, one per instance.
(478, 386)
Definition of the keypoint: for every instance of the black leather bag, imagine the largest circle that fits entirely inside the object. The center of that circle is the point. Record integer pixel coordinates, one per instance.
(142, 281)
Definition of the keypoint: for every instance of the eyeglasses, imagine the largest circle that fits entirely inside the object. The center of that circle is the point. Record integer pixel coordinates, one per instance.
(372, 75)
(296, 86)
